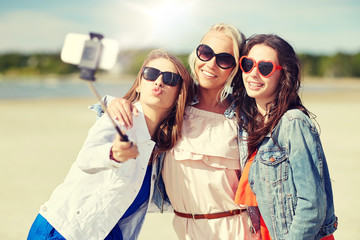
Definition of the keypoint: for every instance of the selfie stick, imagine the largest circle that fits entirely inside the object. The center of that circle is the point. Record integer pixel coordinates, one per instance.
(88, 65)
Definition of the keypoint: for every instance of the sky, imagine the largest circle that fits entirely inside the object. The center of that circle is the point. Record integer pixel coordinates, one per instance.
(310, 26)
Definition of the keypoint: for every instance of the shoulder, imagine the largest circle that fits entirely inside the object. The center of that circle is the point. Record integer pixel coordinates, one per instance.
(295, 116)
(295, 122)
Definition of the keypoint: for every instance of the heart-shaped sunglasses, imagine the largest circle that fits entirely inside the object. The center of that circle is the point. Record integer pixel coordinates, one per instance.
(265, 67)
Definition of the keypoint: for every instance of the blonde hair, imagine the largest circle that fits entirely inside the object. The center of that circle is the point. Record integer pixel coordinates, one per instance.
(238, 39)
(169, 130)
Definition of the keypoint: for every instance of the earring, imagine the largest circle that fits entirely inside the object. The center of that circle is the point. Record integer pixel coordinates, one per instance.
(229, 89)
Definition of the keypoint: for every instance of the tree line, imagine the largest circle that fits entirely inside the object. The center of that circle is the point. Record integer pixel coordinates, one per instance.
(129, 62)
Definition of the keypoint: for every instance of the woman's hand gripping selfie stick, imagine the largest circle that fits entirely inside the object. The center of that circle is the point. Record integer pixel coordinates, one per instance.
(88, 65)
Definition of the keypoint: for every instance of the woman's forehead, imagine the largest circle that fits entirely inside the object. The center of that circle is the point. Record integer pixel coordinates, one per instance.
(218, 41)
(264, 52)
(163, 64)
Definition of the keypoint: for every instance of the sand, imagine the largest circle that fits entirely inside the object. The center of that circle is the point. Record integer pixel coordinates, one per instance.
(40, 139)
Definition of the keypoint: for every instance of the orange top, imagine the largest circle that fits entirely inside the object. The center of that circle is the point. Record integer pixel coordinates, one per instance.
(330, 237)
(245, 196)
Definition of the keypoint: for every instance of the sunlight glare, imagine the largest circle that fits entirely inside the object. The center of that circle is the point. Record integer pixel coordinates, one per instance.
(164, 16)
(168, 12)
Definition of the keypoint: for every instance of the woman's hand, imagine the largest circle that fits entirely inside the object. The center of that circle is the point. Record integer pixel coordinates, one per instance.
(122, 151)
(122, 109)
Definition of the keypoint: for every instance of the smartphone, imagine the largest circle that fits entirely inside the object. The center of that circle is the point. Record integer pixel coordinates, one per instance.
(74, 43)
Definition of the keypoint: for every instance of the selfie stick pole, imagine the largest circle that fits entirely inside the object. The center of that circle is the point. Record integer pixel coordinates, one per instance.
(123, 136)
(88, 65)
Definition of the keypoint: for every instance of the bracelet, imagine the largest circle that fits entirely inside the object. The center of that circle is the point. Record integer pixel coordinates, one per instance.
(112, 156)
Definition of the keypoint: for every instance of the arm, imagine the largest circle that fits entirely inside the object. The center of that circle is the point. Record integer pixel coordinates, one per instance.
(122, 109)
(119, 108)
(97, 106)
(101, 141)
(304, 146)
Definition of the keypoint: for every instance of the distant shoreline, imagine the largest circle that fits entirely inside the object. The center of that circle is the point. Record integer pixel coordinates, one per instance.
(74, 87)
(103, 77)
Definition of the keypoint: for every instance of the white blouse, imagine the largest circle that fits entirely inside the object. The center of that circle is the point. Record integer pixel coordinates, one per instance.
(201, 176)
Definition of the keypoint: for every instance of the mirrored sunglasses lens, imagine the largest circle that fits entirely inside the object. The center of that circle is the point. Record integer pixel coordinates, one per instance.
(225, 60)
(265, 68)
(247, 64)
(151, 74)
(205, 53)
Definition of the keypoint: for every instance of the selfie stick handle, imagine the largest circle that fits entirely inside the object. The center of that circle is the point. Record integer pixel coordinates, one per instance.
(88, 65)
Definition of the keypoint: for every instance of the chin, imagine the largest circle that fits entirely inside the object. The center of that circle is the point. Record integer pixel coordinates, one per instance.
(251, 94)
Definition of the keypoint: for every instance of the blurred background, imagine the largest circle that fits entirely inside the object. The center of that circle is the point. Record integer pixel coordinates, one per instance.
(44, 115)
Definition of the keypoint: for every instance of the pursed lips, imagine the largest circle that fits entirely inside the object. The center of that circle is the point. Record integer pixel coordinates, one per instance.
(157, 91)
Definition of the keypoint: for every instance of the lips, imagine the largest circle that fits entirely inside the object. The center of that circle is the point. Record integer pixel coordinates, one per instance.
(156, 91)
(208, 74)
(255, 85)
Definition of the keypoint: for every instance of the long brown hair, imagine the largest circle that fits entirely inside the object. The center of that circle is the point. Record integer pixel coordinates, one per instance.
(286, 96)
(169, 130)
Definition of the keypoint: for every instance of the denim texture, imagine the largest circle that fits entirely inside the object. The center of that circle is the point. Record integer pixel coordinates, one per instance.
(291, 180)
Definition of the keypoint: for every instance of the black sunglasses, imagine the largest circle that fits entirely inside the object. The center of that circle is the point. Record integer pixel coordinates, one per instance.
(223, 60)
(169, 78)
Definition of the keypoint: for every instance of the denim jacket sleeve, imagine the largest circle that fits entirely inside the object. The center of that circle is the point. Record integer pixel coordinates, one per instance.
(289, 182)
(160, 198)
(306, 161)
(97, 106)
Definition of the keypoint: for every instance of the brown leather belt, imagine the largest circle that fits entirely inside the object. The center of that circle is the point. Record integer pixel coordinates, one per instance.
(210, 215)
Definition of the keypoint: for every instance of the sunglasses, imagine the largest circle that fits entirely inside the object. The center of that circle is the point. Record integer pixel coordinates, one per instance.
(265, 67)
(169, 78)
(223, 60)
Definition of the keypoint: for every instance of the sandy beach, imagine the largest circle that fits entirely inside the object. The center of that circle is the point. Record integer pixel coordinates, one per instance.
(40, 139)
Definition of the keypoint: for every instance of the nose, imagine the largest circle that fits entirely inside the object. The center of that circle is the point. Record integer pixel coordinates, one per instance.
(211, 63)
(159, 81)
(254, 72)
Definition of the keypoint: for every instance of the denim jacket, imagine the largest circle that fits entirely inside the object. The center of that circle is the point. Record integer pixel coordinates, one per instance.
(160, 200)
(291, 181)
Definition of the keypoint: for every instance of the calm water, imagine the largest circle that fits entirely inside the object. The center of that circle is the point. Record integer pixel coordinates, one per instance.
(64, 88)
(58, 88)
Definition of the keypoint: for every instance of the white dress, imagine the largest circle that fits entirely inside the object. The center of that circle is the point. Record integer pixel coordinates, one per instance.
(201, 176)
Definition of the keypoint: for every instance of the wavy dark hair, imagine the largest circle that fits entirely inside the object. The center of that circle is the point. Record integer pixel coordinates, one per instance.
(286, 96)
(169, 131)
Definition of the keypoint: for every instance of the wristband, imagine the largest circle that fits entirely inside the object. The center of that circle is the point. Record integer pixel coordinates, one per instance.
(112, 156)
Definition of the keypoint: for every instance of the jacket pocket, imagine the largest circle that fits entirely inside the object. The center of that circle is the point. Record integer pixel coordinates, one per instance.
(274, 166)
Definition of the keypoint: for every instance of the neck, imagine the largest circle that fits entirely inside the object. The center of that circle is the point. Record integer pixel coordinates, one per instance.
(153, 118)
(263, 108)
(209, 100)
